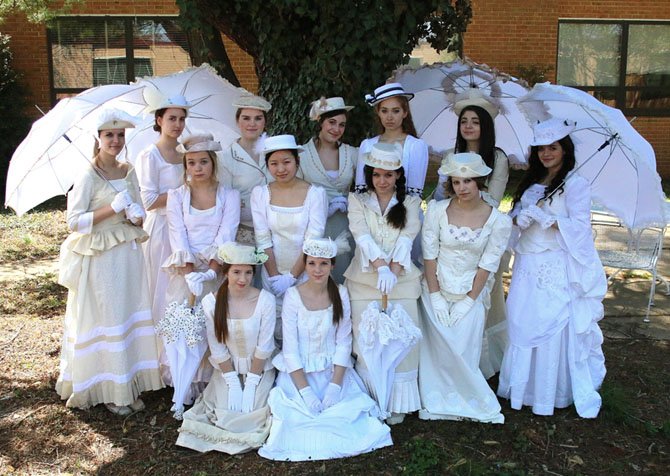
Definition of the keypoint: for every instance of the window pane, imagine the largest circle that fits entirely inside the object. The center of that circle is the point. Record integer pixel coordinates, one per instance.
(648, 66)
(589, 54)
(160, 47)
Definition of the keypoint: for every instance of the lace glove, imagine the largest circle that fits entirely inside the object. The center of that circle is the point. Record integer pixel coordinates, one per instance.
(135, 213)
(121, 201)
(333, 395)
(194, 283)
(440, 308)
(338, 204)
(543, 218)
(313, 403)
(460, 309)
(234, 390)
(523, 219)
(249, 393)
(386, 280)
(281, 283)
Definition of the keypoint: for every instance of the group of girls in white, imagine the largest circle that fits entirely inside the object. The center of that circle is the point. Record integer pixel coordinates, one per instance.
(284, 260)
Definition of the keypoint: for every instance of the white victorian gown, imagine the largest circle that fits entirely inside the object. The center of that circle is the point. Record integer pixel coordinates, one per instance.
(337, 184)
(390, 244)
(313, 343)
(209, 425)
(554, 305)
(238, 170)
(108, 352)
(451, 384)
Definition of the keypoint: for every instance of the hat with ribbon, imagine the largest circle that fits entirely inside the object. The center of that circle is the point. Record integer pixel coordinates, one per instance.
(384, 156)
(199, 142)
(323, 105)
(387, 91)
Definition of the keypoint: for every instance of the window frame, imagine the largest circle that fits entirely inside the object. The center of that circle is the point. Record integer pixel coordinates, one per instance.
(619, 92)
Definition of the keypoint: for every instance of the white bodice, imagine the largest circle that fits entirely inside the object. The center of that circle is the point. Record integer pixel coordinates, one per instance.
(156, 176)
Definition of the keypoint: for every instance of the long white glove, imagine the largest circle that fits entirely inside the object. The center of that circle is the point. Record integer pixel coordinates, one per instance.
(249, 393)
(234, 391)
(121, 201)
(194, 283)
(135, 213)
(460, 309)
(281, 283)
(441, 308)
(333, 395)
(313, 403)
(543, 218)
(386, 280)
(338, 204)
(523, 219)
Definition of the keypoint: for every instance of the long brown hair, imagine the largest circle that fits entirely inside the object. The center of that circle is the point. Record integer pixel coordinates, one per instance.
(333, 294)
(407, 122)
(221, 308)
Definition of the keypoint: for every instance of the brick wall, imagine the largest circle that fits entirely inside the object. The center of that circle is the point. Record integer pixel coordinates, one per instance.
(506, 33)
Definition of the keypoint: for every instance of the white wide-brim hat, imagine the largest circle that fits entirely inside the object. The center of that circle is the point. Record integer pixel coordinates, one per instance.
(384, 156)
(323, 105)
(251, 101)
(281, 142)
(464, 165)
(110, 118)
(387, 91)
(237, 253)
(549, 131)
(199, 142)
(176, 102)
(475, 97)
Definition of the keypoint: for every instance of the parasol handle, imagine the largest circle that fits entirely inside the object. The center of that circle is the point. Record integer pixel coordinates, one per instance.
(191, 300)
(385, 301)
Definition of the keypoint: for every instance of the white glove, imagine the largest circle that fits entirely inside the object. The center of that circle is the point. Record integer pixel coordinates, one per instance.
(121, 201)
(338, 204)
(460, 309)
(194, 283)
(208, 275)
(249, 393)
(543, 218)
(313, 403)
(333, 395)
(386, 280)
(523, 219)
(234, 390)
(281, 283)
(135, 213)
(440, 308)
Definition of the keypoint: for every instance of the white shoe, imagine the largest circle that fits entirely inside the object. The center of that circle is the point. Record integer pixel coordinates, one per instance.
(118, 410)
(395, 418)
(137, 405)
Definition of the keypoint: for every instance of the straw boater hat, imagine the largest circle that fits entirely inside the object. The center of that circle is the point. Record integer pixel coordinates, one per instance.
(199, 142)
(281, 142)
(251, 101)
(549, 131)
(464, 165)
(384, 156)
(237, 253)
(475, 97)
(177, 102)
(323, 105)
(114, 119)
(387, 91)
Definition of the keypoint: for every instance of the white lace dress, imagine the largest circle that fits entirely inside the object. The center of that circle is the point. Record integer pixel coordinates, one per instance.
(554, 305)
(450, 381)
(313, 343)
(209, 425)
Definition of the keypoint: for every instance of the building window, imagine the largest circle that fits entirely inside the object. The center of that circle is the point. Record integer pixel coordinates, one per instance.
(625, 64)
(91, 51)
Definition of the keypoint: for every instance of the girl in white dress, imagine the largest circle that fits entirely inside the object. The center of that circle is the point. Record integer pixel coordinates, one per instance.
(240, 332)
(108, 352)
(331, 164)
(555, 300)
(464, 238)
(319, 407)
(202, 214)
(286, 212)
(384, 222)
(241, 164)
(159, 169)
(395, 124)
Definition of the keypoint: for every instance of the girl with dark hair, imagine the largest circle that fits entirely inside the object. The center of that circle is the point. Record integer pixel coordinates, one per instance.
(395, 124)
(232, 415)
(319, 407)
(384, 222)
(331, 164)
(554, 304)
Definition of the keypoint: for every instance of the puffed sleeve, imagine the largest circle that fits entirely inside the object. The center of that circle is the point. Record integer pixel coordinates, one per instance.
(181, 249)
(218, 350)
(364, 148)
(318, 212)
(289, 317)
(259, 206)
(417, 166)
(576, 235)
(430, 233)
(343, 342)
(498, 179)
(79, 216)
(497, 242)
(368, 248)
(148, 176)
(266, 341)
(230, 221)
(402, 250)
